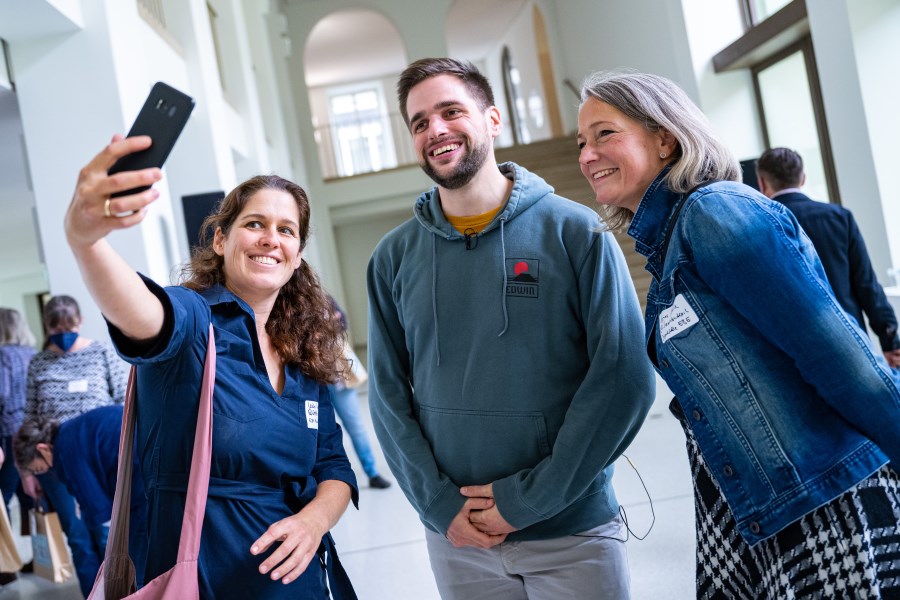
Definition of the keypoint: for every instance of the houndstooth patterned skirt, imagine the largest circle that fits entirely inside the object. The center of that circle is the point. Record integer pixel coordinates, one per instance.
(848, 548)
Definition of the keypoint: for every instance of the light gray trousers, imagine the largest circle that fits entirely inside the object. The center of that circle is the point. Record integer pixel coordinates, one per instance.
(588, 565)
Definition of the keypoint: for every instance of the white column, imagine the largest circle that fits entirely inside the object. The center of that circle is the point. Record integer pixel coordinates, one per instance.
(77, 86)
(876, 36)
(850, 128)
(70, 106)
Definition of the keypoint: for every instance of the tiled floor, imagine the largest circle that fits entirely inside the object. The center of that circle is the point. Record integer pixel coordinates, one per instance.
(383, 544)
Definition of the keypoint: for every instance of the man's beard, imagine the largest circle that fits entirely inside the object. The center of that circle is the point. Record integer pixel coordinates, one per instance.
(467, 168)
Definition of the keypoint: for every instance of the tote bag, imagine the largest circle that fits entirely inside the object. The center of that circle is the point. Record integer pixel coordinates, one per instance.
(51, 554)
(116, 579)
(10, 561)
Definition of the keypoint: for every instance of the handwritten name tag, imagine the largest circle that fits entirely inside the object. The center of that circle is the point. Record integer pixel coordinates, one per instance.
(312, 414)
(78, 385)
(677, 318)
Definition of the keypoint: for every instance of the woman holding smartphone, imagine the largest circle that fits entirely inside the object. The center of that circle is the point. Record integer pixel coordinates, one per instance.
(280, 478)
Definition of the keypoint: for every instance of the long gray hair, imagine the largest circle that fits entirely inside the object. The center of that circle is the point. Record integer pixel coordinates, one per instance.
(658, 103)
(13, 329)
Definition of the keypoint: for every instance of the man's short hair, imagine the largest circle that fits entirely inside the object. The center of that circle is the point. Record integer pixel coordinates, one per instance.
(422, 69)
(781, 168)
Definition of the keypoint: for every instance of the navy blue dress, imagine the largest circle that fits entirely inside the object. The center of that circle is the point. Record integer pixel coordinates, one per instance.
(269, 452)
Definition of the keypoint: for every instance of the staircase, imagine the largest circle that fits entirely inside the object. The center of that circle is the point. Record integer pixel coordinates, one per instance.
(556, 161)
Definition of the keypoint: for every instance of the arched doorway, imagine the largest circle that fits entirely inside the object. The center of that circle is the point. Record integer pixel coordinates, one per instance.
(351, 62)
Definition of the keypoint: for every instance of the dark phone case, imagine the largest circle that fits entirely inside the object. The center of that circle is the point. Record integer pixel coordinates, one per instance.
(163, 116)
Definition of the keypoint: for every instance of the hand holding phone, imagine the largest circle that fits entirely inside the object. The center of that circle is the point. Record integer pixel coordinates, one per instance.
(163, 117)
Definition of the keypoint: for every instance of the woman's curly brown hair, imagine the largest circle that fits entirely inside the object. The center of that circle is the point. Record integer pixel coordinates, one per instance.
(301, 326)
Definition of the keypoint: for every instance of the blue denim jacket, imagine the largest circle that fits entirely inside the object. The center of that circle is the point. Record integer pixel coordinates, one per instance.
(787, 401)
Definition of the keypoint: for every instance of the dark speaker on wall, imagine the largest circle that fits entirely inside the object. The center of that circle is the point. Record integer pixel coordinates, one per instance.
(748, 169)
(196, 208)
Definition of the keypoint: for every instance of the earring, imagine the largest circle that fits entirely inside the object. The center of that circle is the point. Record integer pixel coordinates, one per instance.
(663, 155)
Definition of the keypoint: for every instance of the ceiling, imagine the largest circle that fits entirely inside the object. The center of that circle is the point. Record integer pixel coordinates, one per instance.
(354, 44)
(350, 45)
(333, 54)
(474, 26)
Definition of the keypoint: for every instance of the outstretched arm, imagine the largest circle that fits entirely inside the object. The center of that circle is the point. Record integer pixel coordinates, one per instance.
(117, 289)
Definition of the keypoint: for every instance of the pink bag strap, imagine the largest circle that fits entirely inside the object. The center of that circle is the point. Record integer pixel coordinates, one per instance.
(117, 544)
(198, 484)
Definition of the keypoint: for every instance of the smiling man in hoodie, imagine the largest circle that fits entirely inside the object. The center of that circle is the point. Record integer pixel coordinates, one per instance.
(507, 369)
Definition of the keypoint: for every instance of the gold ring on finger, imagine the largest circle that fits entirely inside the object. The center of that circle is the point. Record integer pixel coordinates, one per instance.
(106, 212)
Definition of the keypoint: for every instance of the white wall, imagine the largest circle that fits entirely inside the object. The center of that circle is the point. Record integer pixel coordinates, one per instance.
(876, 35)
(356, 240)
(267, 54)
(727, 99)
(20, 293)
(5, 83)
(55, 97)
(158, 245)
(645, 35)
(519, 38)
(845, 110)
(125, 56)
(568, 101)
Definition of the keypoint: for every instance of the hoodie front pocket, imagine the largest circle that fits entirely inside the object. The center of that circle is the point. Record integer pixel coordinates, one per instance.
(478, 447)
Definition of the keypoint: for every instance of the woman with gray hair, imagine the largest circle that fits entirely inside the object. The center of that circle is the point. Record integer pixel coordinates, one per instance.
(792, 422)
(16, 350)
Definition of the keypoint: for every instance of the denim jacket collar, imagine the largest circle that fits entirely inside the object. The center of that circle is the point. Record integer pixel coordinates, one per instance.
(651, 221)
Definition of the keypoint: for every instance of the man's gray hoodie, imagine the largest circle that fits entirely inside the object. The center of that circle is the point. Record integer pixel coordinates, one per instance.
(513, 357)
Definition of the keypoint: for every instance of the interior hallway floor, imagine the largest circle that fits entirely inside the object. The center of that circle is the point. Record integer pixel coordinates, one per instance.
(383, 549)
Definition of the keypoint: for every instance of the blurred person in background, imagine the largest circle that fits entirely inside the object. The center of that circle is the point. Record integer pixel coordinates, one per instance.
(71, 376)
(839, 244)
(346, 404)
(83, 453)
(16, 350)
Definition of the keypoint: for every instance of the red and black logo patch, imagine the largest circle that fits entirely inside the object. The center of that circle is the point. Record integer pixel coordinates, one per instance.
(522, 277)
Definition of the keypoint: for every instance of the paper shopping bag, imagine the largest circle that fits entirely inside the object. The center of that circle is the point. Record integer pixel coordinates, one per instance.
(10, 561)
(51, 554)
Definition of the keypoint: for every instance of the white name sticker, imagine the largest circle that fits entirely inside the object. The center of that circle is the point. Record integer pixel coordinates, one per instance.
(79, 385)
(677, 318)
(312, 414)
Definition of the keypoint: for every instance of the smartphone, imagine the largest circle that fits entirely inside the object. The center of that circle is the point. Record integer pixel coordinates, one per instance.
(163, 116)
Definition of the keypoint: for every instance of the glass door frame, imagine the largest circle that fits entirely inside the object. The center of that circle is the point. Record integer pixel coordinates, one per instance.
(804, 45)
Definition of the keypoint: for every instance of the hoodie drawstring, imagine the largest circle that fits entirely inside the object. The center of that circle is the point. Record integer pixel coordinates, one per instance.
(434, 266)
(437, 337)
(503, 267)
